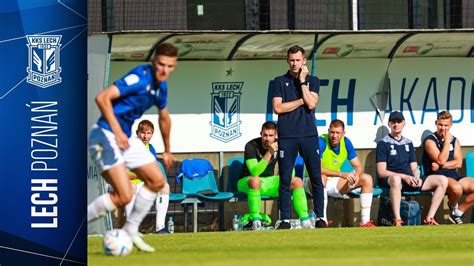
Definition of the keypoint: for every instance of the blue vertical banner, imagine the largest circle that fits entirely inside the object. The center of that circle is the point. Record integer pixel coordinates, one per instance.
(43, 137)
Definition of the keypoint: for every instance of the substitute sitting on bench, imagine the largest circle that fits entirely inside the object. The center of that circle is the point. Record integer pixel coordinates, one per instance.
(396, 167)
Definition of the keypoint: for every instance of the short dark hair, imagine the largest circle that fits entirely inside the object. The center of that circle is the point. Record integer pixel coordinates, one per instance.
(166, 49)
(294, 49)
(269, 125)
(337, 123)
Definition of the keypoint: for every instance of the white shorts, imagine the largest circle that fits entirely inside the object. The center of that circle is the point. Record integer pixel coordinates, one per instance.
(331, 187)
(105, 153)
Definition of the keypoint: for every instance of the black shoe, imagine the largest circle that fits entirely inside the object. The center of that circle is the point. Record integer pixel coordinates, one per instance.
(455, 219)
(248, 226)
(320, 223)
(284, 225)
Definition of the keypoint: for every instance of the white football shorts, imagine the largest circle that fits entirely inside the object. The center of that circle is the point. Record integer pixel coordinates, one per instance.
(331, 187)
(105, 153)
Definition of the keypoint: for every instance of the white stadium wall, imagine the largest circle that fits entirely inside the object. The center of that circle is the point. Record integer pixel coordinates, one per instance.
(220, 105)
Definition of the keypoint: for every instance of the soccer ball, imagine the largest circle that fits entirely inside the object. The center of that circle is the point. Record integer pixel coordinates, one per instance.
(117, 242)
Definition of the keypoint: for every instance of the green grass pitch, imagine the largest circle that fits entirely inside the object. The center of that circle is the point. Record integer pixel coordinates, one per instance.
(408, 245)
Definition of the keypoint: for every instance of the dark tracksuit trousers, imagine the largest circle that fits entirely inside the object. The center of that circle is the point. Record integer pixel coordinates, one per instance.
(308, 147)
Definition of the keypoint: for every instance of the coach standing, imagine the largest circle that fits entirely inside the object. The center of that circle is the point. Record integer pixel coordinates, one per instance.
(295, 96)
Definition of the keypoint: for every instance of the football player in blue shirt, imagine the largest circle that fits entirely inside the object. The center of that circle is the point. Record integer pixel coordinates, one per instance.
(114, 150)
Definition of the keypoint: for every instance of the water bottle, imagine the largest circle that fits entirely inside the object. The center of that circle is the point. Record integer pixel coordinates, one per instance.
(235, 222)
(295, 224)
(298, 224)
(171, 225)
(256, 225)
(417, 175)
(312, 217)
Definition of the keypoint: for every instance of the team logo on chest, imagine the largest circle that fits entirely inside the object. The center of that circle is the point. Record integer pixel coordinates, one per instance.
(225, 105)
(43, 60)
(393, 151)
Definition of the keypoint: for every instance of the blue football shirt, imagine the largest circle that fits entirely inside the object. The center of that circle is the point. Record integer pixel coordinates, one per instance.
(138, 92)
(398, 154)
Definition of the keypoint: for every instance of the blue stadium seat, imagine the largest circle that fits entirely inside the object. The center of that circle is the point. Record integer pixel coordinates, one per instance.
(234, 166)
(299, 167)
(203, 187)
(470, 171)
(470, 163)
(199, 185)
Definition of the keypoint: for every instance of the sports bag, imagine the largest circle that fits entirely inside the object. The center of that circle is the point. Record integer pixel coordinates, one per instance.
(409, 212)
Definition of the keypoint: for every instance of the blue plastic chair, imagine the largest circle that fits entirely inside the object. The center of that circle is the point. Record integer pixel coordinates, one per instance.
(470, 164)
(299, 166)
(205, 187)
(174, 197)
(234, 167)
(199, 188)
(470, 171)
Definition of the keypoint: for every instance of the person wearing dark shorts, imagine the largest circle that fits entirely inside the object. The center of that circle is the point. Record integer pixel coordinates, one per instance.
(295, 95)
(398, 170)
(442, 155)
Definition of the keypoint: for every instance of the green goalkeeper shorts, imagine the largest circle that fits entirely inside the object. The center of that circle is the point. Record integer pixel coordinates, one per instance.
(268, 185)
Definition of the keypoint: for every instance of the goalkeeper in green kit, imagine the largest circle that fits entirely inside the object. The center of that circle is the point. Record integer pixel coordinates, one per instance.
(258, 179)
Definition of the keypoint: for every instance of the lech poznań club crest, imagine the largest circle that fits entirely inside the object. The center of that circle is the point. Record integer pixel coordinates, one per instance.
(43, 60)
(225, 102)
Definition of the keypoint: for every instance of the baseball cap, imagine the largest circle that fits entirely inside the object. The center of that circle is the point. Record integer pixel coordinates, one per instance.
(396, 115)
